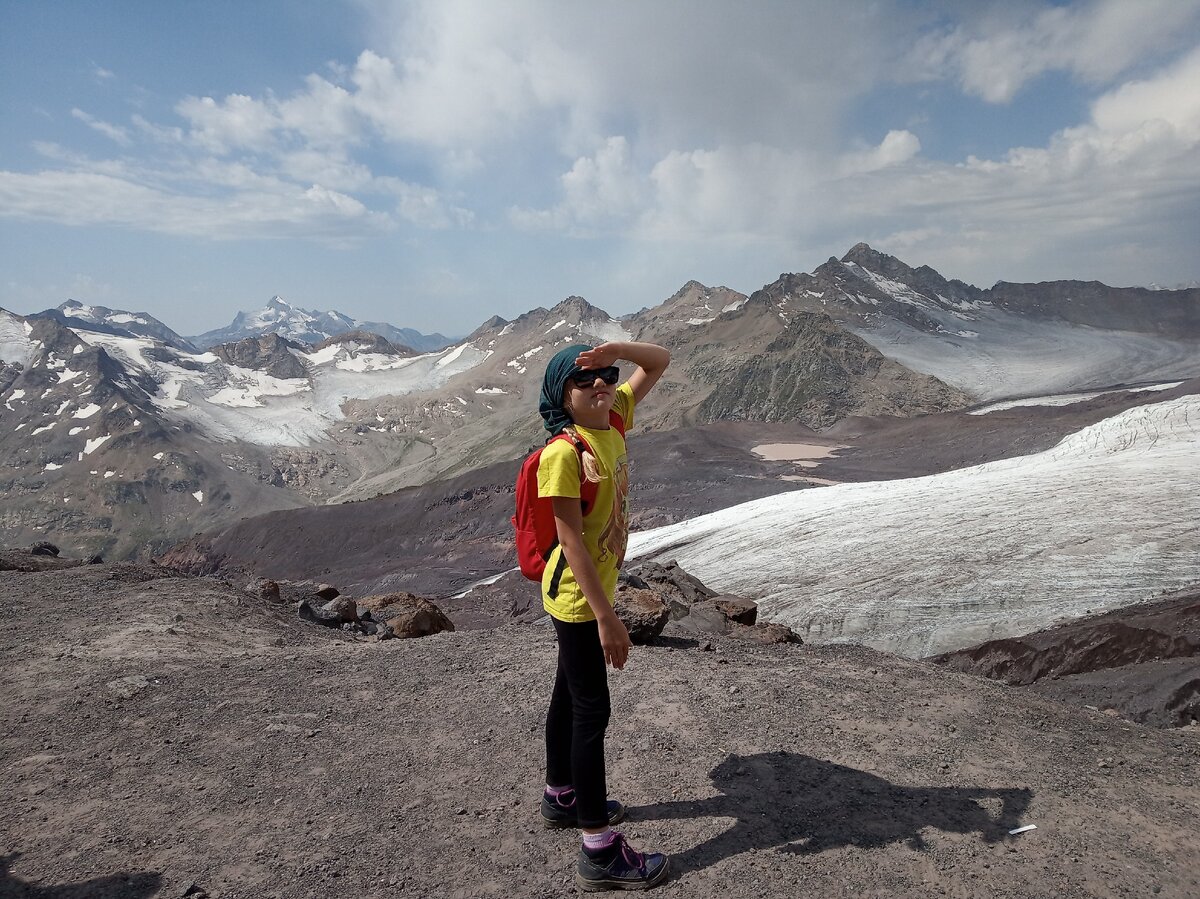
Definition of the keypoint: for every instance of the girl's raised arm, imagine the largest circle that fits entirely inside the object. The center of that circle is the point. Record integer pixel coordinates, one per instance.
(650, 358)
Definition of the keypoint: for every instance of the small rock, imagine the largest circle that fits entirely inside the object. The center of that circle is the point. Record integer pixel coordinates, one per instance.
(269, 590)
(128, 687)
(43, 549)
(328, 591)
(737, 610)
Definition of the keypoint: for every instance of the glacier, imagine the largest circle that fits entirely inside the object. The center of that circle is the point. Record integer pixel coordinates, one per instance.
(1107, 517)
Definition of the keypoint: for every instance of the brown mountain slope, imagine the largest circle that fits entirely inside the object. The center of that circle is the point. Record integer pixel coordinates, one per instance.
(442, 537)
(1143, 661)
(161, 733)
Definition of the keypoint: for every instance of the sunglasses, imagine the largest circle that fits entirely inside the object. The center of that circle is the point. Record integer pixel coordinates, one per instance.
(587, 377)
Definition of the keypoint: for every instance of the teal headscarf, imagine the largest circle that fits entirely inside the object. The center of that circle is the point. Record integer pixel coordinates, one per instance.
(558, 369)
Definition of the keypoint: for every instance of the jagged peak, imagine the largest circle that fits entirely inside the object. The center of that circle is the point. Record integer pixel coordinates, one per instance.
(490, 325)
(690, 287)
(864, 254)
(269, 340)
(577, 305)
(375, 342)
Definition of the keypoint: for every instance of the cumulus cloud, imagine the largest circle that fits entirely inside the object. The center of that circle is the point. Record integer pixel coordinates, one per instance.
(237, 122)
(995, 57)
(678, 73)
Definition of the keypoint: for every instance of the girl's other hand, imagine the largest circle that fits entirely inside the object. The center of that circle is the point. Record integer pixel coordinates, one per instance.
(600, 357)
(614, 638)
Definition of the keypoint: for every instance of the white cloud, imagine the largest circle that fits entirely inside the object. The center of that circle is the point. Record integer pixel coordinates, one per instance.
(112, 132)
(674, 73)
(896, 147)
(1105, 184)
(996, 57)
(237, 122)
(91, 198)
(598, 190)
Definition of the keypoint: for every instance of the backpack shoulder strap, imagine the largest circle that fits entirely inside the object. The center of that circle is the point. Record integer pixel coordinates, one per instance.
(616, 421)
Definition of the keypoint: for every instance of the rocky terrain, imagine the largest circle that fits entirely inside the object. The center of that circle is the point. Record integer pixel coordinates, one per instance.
(1141, 662)
(171, 737)
(441, 538)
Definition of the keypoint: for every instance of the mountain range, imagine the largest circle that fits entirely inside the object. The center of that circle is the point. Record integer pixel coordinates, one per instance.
(120, 437)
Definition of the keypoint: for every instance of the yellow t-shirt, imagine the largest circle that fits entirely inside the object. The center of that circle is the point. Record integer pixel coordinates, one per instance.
(605, 526)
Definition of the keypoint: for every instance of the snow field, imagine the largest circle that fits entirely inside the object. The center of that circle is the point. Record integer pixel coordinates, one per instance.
(1109, 516)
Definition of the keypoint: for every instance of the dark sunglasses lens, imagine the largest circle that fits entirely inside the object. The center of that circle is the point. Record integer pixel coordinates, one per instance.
(586, 378)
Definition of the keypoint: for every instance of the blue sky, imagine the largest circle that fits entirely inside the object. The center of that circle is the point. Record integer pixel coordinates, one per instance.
(434, 163)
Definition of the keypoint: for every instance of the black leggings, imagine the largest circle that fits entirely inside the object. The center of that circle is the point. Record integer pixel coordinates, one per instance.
(577, 719)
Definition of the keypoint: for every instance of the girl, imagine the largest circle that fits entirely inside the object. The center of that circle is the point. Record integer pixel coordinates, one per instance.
(579, 393)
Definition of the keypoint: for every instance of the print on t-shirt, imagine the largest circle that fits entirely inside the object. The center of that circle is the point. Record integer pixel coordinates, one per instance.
(615, 535)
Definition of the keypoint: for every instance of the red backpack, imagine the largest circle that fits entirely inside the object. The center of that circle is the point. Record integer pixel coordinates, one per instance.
(537, 535)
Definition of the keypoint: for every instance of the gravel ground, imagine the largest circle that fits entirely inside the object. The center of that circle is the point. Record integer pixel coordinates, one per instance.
(168, 737)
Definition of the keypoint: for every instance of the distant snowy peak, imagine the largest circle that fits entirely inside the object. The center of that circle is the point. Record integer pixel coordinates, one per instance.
(309, 326)
(102, 320)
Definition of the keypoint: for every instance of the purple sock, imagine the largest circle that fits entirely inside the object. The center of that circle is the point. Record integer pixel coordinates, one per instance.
(555, 792)
(595, 842)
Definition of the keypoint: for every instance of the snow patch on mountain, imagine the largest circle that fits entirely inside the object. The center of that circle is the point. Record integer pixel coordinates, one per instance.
(1107, 517)
(227, 402)
(15, 343)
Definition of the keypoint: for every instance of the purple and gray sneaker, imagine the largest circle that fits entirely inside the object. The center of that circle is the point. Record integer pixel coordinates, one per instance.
(619, 867)
(560, 811)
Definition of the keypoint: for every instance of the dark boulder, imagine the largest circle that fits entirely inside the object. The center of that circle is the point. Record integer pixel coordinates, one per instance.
(678, 589)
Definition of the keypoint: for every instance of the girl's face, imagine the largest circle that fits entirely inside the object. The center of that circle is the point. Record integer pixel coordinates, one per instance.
(592, 400)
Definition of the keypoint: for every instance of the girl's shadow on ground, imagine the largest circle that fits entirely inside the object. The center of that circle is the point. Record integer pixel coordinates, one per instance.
(118, 886)
(804, 805)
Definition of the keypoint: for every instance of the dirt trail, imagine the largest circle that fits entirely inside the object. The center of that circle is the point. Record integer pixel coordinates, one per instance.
(159, 733)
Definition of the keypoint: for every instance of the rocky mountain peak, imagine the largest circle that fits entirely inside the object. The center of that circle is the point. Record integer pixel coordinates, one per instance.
(577, 307)
(366, 342)
(269, 353)
(863, 255)
(861, 252)
(687, 293)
